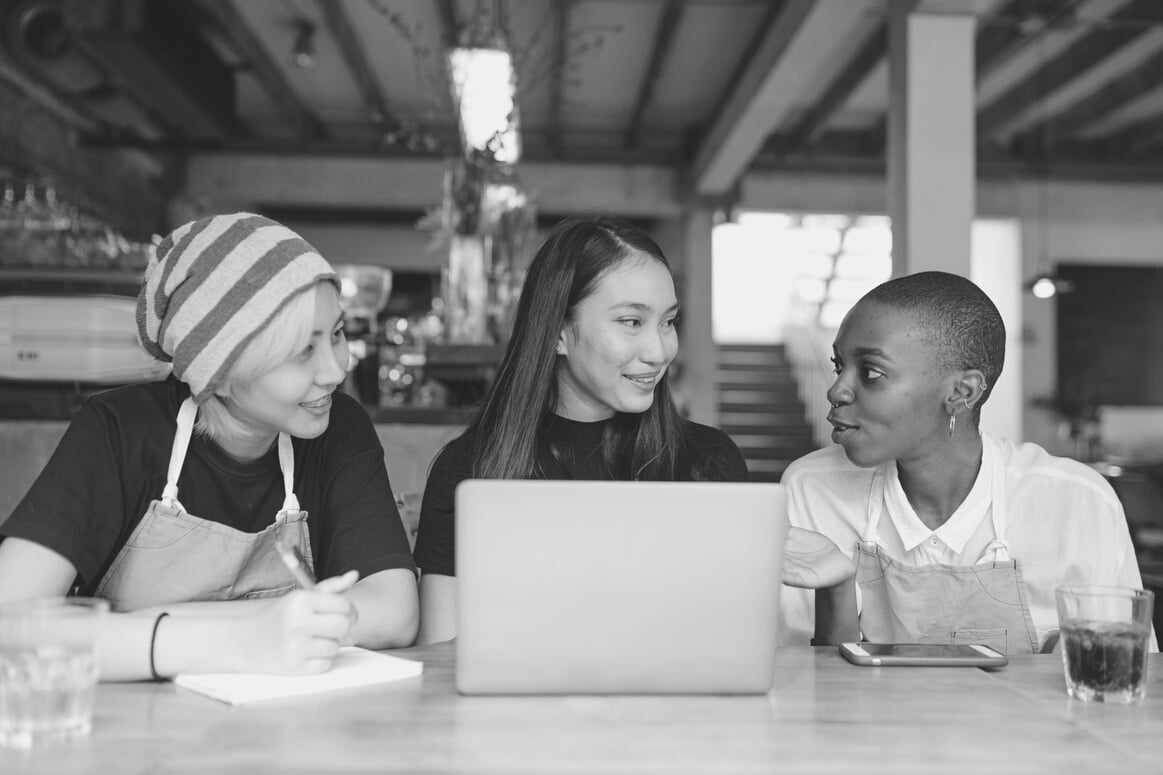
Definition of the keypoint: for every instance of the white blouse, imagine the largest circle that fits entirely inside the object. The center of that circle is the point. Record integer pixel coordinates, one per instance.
(1064, 525)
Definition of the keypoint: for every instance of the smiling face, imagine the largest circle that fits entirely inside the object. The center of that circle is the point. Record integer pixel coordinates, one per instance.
(295, 396)
(889, 393)
(619, 342)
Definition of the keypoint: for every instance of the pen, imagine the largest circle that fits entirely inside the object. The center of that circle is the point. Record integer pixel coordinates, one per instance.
(296, 564)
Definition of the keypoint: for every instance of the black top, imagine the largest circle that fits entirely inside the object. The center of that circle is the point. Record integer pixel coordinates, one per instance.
(111, 463)
(578, 445)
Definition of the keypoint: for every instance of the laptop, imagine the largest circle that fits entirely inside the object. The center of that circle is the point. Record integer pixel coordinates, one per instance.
(572, 587)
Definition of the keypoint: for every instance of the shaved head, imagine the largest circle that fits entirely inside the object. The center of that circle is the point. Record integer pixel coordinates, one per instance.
(954, 317)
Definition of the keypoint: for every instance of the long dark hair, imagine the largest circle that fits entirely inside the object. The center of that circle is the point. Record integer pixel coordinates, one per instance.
(510, 426)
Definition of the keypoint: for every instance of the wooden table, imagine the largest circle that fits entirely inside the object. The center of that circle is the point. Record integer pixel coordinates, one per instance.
(823, 715)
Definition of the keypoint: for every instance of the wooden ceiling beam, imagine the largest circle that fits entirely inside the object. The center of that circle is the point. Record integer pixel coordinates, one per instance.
(748, 111)
(230, 23)
(1119, 29)
(374, 181)
(1014, 27)
(877, 136)
(811, 125)
(1111, 96)
(999, 37)
(340, 26)
(664, 34)
(1136, 139)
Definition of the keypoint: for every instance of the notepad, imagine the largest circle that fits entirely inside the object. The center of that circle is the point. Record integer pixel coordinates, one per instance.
(352, 667)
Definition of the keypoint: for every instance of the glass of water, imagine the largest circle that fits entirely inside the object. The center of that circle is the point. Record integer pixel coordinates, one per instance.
(1106, 633)
(48, 669)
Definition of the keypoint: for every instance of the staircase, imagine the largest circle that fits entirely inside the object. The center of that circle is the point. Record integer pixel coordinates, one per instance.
(760, 410)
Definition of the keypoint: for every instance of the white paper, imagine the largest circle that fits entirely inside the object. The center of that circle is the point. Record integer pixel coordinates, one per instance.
(352, 667)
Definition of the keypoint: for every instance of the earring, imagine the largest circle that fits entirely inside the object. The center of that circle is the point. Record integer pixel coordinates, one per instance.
(965, 400)
(952, 424)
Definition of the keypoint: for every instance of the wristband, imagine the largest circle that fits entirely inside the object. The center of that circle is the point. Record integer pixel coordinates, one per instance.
(152, 642)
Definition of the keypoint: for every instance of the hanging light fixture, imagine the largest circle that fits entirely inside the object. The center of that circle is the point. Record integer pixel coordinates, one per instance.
(303, 49)
(1043, 286)
(484, 85)
(1046, 284)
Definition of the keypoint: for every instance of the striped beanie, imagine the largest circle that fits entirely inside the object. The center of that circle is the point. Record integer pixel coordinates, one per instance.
(215, 283)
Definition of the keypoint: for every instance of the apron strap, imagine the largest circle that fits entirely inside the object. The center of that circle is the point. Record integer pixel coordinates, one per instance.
(875, 505)
(186, 416)
(287, 464)
(992, 456)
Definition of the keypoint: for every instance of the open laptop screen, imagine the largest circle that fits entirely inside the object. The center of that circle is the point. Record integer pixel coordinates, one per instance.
(617, 587)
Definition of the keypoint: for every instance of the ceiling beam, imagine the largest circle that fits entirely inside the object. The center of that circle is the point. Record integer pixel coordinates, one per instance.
(876, 138)
(664, 34)
(807, 130)
(46, 94)
(1119, 29)
(230, 23)
(246, 180)
(354, 56)
(124, 41)
(1136, 139)
(633, 190)
(558, 63)
(748, 114)
(1014, 27)
(999, 37)
(1111, 96)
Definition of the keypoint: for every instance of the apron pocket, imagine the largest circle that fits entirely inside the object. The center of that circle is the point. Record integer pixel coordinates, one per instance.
(261, 593)
(163, 531)
(998, 639)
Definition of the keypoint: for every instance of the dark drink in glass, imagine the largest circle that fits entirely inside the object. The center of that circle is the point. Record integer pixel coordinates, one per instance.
(1105, 661)
(1106, 632)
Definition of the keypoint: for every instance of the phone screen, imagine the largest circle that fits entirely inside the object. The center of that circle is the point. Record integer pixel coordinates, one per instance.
(920, 650)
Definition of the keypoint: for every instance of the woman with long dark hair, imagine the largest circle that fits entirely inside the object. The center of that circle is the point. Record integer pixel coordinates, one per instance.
(581, 393)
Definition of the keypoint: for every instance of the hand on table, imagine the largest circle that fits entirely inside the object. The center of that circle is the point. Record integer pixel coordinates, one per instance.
(301, 632)
(811, 560)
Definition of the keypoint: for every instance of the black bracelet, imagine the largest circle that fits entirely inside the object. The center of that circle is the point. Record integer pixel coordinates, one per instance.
(152, 642)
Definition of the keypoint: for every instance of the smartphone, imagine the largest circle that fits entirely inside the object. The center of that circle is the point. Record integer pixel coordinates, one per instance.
(923, 654)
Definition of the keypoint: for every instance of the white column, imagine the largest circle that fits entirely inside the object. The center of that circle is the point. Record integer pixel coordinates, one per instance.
(931, 140)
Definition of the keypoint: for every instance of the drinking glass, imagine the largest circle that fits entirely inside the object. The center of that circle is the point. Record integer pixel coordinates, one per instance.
(1106, 632)
(48, 669)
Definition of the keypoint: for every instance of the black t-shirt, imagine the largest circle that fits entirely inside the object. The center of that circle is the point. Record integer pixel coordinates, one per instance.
(112, 460)
(579, 446)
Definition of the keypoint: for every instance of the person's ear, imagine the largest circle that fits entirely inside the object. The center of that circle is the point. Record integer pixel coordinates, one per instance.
(561, 346)
(968, 390)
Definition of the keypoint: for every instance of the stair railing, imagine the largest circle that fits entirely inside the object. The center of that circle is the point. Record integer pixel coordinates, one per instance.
(808, 346)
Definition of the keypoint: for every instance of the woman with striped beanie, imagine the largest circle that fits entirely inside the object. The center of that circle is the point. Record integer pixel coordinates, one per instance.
(181, 501)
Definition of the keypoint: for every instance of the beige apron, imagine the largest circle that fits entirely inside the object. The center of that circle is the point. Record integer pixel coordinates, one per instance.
(175, 557)
(983, 603)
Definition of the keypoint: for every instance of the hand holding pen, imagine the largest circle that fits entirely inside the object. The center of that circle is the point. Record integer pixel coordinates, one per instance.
(296, 563)
(303, 630)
